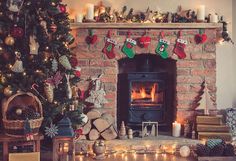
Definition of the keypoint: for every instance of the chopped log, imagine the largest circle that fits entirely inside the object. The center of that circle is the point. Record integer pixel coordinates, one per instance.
(87, 127)
(82, 137)
(93, 114)
(108, 117)
(101, 124)
(93, 134)
(109, 134)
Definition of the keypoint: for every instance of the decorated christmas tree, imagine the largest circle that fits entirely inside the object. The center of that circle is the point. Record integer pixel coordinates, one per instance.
(35, 57)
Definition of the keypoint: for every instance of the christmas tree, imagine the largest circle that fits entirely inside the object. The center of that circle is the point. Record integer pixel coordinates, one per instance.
(205, 102)
(35, 56)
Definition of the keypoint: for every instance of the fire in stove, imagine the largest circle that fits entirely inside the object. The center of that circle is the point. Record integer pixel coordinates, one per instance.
(145, 94)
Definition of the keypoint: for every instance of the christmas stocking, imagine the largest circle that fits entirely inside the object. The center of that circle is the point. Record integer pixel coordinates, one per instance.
(161, 48)
(127, 48)
(109, 48)
(179, 48)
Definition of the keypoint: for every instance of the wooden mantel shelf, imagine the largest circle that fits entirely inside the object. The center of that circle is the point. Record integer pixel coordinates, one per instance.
(146, 25)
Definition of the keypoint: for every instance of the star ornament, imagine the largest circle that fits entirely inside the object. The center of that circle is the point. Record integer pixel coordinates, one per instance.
(51, 131)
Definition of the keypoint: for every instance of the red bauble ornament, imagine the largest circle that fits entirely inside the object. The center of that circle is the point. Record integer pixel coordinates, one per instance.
(62, 8)
(74, 62)
(17, 32)
(53, 27)
(77, 73)
(144, 41)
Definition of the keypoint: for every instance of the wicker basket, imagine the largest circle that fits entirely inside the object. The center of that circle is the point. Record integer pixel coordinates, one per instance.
(16, 127)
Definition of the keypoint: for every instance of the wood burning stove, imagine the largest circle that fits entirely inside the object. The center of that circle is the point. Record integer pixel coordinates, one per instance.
(146, 91)
(145, 99)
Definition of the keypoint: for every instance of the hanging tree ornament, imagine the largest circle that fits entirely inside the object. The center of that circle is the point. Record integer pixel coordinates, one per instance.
(8, 91)
(54, 65)
(9, 40)
(17, 32)
(34, 45)
(53, 27)
(51, 131)
(49, 92)
(69, 39)
(18, 65)
(14, 5)
(44, 25)
(65, 62)
(62, 8)
(68, 88)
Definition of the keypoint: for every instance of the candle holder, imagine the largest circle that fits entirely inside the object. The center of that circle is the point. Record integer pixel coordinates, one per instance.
(63, 148)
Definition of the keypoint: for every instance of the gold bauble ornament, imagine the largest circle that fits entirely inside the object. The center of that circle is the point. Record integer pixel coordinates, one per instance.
(9, 40)
(3, 79)
(8, 91)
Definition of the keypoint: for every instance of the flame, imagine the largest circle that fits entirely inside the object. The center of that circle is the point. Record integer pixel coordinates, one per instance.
(142, 93)
(153, 92)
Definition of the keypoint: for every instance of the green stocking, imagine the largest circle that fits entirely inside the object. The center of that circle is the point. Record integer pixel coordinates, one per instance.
(161, 48)
(127, 48)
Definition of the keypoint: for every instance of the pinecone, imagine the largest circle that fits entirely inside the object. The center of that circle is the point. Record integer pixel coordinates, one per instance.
(218, 150)
(229, 150)
(202, 150)
(36, 115)
(29, 113)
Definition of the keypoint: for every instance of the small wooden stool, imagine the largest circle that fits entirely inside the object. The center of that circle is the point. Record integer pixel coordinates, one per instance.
(19, 141)
(63, 148)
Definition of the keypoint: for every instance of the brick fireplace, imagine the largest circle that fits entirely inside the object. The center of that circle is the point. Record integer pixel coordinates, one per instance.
(199, 65)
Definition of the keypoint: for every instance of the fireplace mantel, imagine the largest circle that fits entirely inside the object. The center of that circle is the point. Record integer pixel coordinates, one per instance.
(146, 25)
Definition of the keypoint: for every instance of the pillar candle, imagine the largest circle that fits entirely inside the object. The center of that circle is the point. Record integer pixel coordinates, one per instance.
(90, 11)
(214, 18)
(79, 18)
(201, 13)
(176, 129)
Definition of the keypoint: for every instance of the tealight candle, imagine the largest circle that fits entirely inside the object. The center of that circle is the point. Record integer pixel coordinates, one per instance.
(201, 13)
(90, 11)
(176, 129)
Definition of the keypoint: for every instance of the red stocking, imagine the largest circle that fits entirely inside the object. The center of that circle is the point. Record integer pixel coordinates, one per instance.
(109, 47)
(179, 48)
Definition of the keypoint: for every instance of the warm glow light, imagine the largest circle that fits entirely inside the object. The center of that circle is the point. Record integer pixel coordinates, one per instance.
(66, 147)
(142, 93)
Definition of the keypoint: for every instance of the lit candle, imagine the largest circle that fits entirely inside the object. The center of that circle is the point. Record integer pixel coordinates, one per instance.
(201, 13)
(214, 18)
(79, 17)
(90, 11)
(176, 129)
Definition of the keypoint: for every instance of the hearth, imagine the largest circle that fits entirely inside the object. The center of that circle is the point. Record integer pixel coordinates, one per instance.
(146, 87)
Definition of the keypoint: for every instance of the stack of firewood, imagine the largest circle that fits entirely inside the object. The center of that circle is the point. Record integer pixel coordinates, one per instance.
(99, 126)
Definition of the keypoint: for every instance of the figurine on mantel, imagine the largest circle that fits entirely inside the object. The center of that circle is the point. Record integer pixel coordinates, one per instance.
(97, 93)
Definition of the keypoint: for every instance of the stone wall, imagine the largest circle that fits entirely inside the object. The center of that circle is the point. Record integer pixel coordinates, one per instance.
(199, 64)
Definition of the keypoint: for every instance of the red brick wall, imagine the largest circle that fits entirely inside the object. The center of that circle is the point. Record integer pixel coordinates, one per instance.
(199, 64)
